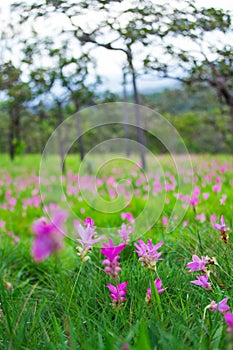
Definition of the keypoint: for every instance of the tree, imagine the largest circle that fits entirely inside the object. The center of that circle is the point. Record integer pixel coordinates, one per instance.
(64, 79)
(125, 37)
(208, 58)
(17, 93)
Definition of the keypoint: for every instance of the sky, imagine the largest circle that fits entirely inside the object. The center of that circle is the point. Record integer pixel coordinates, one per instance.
(109, 63)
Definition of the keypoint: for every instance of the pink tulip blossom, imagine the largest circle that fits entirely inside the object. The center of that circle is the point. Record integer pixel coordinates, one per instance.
(221, 306)
(49, 236)
(202, 281)
(148, 253)
(112, 252)
(229, 321)
(118, 292)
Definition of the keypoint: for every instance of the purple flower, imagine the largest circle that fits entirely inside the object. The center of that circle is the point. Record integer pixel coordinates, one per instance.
(229, 321)
(111, 252)
(87, 239)
(128, 216)
(197, 264)
(221, 227)
(223, 199)
(2, 224)
(125, 232)
(201, 217)
(202, 281)
(89, 222)
(118, 292)
(49, 236)
(221, 306)
(148, 253)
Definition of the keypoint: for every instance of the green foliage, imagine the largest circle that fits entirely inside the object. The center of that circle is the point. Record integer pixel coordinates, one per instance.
(64, 304)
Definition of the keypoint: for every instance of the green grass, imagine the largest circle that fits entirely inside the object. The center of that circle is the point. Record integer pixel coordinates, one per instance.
(63, 303)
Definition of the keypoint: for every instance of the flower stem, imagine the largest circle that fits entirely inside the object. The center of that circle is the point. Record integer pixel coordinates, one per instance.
(74, 286)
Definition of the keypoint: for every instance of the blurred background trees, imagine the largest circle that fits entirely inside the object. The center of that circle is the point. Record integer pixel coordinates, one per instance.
(48, 68)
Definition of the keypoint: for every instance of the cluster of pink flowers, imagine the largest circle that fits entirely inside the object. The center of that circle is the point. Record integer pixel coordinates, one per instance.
(201, 264)
(111, 252)
(158, 286)
(49, 235)
(223, 308)
(125, 232)
(10, 234)
(148, 253)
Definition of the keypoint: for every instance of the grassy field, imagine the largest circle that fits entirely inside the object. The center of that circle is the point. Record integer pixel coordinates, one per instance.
(63, 302)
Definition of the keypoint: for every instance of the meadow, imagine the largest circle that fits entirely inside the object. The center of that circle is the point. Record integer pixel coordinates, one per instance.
(56, 292)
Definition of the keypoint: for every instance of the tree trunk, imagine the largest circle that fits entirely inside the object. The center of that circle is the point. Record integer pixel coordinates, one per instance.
(126, 121)
(61, 140)
(11, 139)
(79, 129)
(140, 133)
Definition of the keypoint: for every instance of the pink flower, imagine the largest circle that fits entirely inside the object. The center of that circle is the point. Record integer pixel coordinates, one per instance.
(216, 188)
(223, 199)
(87, 240)
(185, 223)
(148, 253)
(194, 201)
(127, 216)
(125, 232)
(2, 224)
(1, 313)
(205, 195)
(118, 292)
(201, 217)
(49, 236)
(86, 235)
(111, 252)
(221, 306)
(89, 222)
(213, 218)
(222, 226)
(164, 221)
(229, 321)
(197, 264)
(158, 285)
(202, 281)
